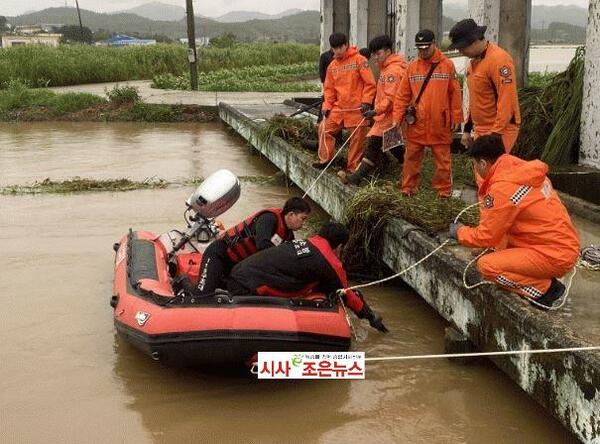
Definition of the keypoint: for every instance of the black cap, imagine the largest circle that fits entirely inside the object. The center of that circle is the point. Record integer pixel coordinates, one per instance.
(464, 33)
(424, 38)
(365, 52)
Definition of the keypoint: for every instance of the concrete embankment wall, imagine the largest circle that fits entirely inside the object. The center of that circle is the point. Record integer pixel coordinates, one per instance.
(566, 384)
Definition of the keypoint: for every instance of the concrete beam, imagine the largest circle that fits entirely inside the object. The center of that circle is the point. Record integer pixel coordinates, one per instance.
(326, 23)
(514, 34)
(359, 22)
(590, 113)
(508, 23)
(487, 12)
(408, 19)
(564, 383)
(411, 17)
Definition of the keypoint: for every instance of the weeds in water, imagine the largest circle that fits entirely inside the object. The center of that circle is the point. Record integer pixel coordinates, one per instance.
(81, 185)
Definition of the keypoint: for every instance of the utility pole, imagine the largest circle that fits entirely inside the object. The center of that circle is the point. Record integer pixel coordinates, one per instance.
(192, 55)
(80, 24)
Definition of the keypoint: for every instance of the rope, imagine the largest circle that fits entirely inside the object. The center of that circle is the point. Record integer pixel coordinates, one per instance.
(348, 319)
(498, 353)
(400, 273)
(590, 258)
(333, 158)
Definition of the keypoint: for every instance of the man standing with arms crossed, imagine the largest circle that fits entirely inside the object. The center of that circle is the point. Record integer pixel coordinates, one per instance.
(493, 100)
(349, 91)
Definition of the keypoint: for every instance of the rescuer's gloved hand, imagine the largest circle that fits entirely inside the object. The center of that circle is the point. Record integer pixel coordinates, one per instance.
(375, 320)
(365, 107)
(453, 230)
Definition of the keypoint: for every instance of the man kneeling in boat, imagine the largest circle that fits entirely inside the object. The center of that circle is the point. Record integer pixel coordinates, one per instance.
(299, 268)
(519, 209)
(262, 230)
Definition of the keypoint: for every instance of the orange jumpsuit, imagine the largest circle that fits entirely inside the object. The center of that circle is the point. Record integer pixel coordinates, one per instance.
(349, 82)
(438, 110)
(390, 75)
(520, 206)
(493, 99)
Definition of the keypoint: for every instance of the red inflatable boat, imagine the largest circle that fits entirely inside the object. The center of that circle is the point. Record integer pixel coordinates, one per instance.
(216, 330)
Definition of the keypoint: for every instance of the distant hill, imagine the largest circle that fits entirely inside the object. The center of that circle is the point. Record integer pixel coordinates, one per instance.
(301, 27)
(158, 11)
(245, 16)
(541, 15)
(557, 32)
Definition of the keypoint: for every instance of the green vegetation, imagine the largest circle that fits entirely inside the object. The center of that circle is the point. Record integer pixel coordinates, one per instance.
(20, 103)
(281, 78)
(551, 111)
(18, 96)
(373, 206)
(39, 66)
(82, 185)
(292, 130)
(79, 185)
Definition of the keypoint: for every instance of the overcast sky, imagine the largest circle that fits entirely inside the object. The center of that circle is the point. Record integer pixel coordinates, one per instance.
(203, 7)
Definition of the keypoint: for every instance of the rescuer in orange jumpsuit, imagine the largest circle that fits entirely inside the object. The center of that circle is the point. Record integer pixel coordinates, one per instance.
(391, 71)
(493, 99)
(519, 205)
(349, 91)
(430, 122)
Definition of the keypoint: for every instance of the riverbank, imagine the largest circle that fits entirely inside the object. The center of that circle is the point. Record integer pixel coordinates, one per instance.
(565, 384)
(119, 104)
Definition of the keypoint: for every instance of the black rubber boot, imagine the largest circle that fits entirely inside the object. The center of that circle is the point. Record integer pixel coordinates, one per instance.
(398, 153)
(555, 292)
(365, 167)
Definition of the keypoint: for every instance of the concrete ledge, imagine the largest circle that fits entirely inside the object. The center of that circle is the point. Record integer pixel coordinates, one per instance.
(566, 384)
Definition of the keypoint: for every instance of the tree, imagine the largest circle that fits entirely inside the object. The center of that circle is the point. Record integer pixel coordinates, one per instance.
(74, 34)
(224, 41)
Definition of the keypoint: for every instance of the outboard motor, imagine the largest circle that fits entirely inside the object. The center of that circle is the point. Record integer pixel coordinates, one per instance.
(215, 195)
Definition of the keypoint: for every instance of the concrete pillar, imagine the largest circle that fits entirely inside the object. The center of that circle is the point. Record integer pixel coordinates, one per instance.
(514, 34)
(359, 22)
(508, 23)
(431, 17)
(590, 114)
(412, 16)
(487, 12)
(326, 23)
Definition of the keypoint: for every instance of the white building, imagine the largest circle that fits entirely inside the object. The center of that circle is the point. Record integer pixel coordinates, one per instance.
(33, 39)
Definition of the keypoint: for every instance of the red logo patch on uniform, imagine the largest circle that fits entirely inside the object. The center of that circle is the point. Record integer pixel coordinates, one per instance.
(505, 71)
(488, 202)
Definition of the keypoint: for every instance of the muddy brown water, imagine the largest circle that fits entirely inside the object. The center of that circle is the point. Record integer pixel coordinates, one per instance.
(65, 376)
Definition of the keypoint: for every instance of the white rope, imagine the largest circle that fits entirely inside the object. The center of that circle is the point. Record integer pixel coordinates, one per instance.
(473, 355)
(334, 156)
(348, 319)
(406, 270)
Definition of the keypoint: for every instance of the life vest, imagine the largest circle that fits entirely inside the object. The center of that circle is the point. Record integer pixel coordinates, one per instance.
(241, 239)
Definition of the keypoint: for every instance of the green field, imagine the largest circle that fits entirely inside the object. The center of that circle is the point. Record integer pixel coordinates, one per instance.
(39, 66)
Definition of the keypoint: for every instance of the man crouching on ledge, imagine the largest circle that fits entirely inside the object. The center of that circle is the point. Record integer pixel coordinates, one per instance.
(300, 267)
(519, 209)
